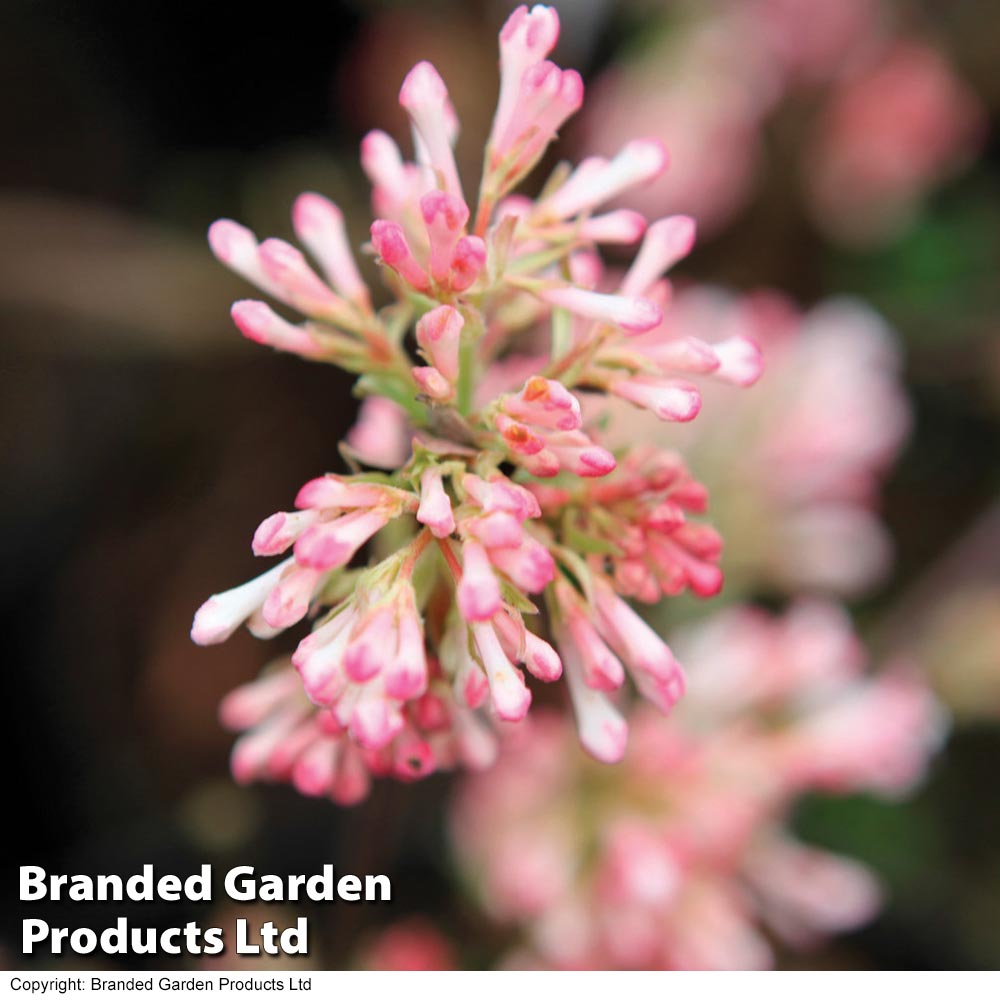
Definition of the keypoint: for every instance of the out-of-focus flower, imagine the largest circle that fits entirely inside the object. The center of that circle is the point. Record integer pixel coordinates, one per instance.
(683, 860)
(795, 465)
(705, 91)
(420, 639)
(888, 134)
(286, 737)
(413, 945)
(893, 120)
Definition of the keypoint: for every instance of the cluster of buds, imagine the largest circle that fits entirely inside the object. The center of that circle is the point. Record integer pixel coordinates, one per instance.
(686, 862)
(794, 489)
(489, 511)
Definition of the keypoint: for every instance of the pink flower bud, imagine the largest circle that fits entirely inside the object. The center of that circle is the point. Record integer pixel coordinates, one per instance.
(623, 227)
(497, 528)
(577, 454)
(596, 181)
(319, 224)
(405, 675)
(684, 354)
(667, 241)
(433, 383)
(259, 322)
(508, 692)
(740, 361)
(439, 334)
(372, 644)
(603, 731)
(313, 773)
(298, 284)
(319, 659)
(646, 655)
(530, 565)
(375, 722)
(332, 491)
(632, 315)
(249, 704)
(381, 436)
(435, 506)
(499, 493)
(222, 614)
(526, 38)
(390, 244)
(547, 96)
(424, 96)
(277, 532)
(384, 167)
(445, 217)
(478, 591)
(545, 464)
(545, 403)
(467, 262)
(236, 247)
(289, 601)
(667, 398)
(332, 544)
(517, 436)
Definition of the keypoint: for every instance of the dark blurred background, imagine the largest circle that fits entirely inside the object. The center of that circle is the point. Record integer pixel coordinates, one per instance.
(143, 439)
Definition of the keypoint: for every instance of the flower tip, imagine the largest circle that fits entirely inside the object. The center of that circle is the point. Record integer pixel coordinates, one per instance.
(640, 316)
(687, 407)
(268, 536)
(511, 696)
(312, 213)
(477, 603)
(253, 319)
(422, 86)
(648, 158)
(211, 624)
(607, 742)
(741, 361)
(595, 462)
(406, 682)
(676, 235)
(536, 30)
(228, 240)
(389, 241)
(467, 262)
(444, 208)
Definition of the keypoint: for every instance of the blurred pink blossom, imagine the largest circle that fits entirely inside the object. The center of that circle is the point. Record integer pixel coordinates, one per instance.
(795, 468)
(891, 118)
(683, 860)
(889, 133)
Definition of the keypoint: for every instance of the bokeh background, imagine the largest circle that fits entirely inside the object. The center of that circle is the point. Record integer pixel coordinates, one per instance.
(142, 439)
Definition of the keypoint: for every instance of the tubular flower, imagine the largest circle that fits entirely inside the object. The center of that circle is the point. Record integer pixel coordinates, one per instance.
(794, 489)
(686, 861)
(439, 566)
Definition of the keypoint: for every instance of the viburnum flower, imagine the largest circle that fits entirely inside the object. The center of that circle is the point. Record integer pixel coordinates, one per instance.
(794, 466)
(486, 495)
(685, 860)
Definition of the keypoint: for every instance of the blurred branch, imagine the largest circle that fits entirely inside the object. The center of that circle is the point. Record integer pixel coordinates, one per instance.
(112, 282)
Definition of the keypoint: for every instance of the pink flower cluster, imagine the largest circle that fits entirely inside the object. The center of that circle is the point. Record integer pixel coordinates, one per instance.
(489, 496)
(794, 467)
(685, 861)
